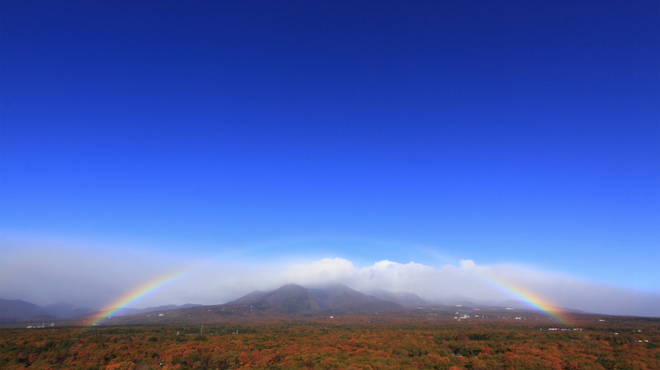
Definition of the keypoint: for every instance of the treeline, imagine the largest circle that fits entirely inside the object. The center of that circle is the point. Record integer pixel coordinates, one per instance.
(327, 343)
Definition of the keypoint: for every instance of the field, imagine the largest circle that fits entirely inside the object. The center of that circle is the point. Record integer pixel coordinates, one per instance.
(358, 342)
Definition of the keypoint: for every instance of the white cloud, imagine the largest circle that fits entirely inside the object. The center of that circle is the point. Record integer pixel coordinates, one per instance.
(479, 283)
(467, 264)
(97, 277)
(320, 272)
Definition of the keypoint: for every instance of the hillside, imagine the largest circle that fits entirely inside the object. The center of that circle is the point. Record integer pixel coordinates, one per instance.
(295, 299)
(16, 308)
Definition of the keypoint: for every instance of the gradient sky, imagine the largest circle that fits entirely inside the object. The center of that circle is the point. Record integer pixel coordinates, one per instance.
(512, 132)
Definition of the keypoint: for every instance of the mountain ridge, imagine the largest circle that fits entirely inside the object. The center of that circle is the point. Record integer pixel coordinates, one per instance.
(296, 299)
(289, 299)
(17, 309)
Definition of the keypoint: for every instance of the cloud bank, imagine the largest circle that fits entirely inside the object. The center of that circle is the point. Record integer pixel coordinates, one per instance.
(99, 277)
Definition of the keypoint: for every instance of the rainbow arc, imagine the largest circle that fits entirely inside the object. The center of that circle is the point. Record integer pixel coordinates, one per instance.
(139, 293)
(531, 299)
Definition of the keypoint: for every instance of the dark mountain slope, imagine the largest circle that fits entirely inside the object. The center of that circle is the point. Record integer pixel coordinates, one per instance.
(295, 299)
(408, 300)
(15, 308)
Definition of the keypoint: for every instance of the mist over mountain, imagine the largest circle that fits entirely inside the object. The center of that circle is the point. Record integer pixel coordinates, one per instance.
(16, 308)
(66, 310)
(216, 281)
(168, 307)
(406, 299)
(288, 299)
(19, 309)
(296, 299)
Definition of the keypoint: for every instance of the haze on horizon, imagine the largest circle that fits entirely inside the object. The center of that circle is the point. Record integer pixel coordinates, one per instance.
(415, 147)
(103, 278)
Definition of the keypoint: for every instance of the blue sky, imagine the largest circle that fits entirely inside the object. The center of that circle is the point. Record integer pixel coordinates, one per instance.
(434, 131)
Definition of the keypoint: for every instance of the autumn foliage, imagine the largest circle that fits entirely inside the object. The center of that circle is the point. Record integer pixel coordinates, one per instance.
(350, 342)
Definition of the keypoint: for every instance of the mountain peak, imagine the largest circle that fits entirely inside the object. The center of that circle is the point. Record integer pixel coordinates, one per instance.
(296, 299)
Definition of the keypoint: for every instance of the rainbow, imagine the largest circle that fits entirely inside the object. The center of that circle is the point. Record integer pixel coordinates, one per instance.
(139, 293)
(531, 299)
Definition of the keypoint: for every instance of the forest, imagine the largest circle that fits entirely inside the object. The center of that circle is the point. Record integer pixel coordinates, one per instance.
(343, 342)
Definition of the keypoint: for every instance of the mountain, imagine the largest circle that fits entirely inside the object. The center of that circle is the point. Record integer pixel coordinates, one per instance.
(169, 307)
(18, 309)
(15, 308)
(295, 299)
(288, 300)
(408, 300)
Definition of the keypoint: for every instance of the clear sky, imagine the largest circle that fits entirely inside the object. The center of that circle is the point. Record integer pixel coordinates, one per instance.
(511, 133)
